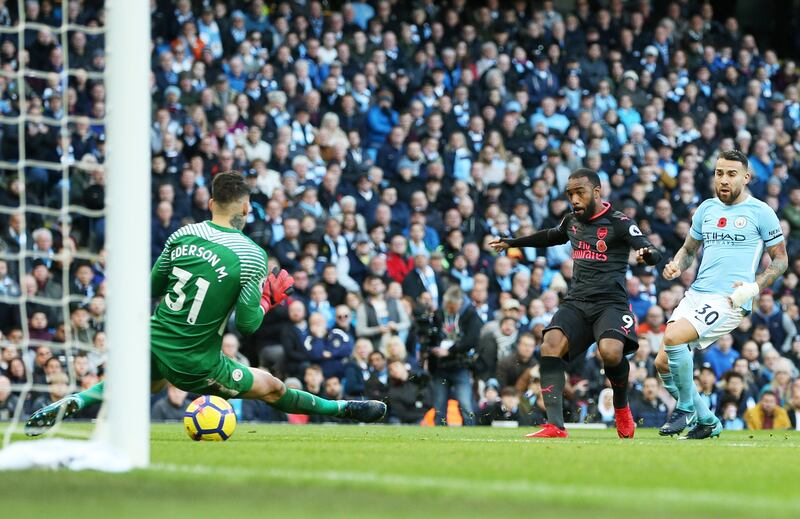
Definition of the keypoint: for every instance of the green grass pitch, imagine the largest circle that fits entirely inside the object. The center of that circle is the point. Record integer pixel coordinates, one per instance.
(382, 471)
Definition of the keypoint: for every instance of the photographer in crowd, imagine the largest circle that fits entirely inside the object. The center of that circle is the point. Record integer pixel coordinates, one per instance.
(449, 357)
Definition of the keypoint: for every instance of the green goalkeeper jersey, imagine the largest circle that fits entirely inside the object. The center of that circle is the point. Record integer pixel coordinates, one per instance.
(205, 272)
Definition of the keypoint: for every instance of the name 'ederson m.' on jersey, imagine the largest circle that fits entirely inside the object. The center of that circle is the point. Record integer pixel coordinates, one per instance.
(205, 272)
(734, 237)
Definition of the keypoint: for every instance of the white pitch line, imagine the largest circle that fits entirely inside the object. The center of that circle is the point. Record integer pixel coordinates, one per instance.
(610, 441)
(527, 488)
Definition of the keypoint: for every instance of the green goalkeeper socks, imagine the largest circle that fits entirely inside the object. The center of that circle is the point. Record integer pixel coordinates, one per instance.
(93, 395)
(295, 401)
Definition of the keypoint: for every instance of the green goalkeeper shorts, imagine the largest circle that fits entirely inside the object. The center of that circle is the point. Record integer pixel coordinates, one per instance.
(226, 378)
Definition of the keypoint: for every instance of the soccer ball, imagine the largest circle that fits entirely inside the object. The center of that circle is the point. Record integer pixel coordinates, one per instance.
(209, 418)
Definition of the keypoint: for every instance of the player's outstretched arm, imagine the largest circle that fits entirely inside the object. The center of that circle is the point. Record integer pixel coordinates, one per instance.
(683, 258)
(543, 238)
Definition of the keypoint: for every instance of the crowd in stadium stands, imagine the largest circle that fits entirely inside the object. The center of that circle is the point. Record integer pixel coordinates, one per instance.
(385, 143)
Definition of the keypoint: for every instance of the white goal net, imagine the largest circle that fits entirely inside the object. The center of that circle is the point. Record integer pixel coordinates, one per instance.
(74, 226)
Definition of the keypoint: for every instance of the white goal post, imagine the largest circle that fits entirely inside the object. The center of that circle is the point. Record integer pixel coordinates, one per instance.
(127, 396)
(121, 440)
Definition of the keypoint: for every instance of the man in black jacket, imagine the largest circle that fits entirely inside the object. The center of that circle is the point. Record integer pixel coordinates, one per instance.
(512, 366)
(449, 361)
(408, 400)
(288, 249)
(293, 339)
(423, 279)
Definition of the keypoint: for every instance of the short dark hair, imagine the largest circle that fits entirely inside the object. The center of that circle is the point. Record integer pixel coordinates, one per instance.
(587, 173)
(732, 374)
(735, 156)
(764, 393)
(228, 187)
(509, 391)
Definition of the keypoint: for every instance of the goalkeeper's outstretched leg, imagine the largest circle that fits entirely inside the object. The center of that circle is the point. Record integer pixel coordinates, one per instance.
(265, 387)
(274, 392)
(43, 419)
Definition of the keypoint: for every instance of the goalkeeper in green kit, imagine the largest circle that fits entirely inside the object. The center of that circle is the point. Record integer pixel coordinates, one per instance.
(206, 271)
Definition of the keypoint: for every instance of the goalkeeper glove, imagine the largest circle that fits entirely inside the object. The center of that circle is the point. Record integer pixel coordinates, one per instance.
(277, 287)
(743, 293)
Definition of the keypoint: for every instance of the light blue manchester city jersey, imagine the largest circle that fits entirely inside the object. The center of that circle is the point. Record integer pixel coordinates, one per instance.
(734, 237)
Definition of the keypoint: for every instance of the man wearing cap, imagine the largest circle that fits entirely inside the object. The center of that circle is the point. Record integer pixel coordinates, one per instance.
(630, 88)
(401, 89)
(541, 81)
(651, 62)
(235, 34)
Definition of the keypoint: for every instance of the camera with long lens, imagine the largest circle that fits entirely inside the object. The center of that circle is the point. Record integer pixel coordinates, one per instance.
(429, 330)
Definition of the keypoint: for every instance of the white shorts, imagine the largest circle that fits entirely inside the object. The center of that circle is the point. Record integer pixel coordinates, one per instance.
(710, 314)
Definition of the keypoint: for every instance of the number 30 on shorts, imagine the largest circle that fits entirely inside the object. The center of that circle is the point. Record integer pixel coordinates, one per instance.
(703, 314)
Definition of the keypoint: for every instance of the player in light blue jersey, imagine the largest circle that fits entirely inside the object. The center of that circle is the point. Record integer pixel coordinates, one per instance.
(733, 228)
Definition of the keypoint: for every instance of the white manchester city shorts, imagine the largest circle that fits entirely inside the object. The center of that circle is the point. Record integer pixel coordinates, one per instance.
(710, 314)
